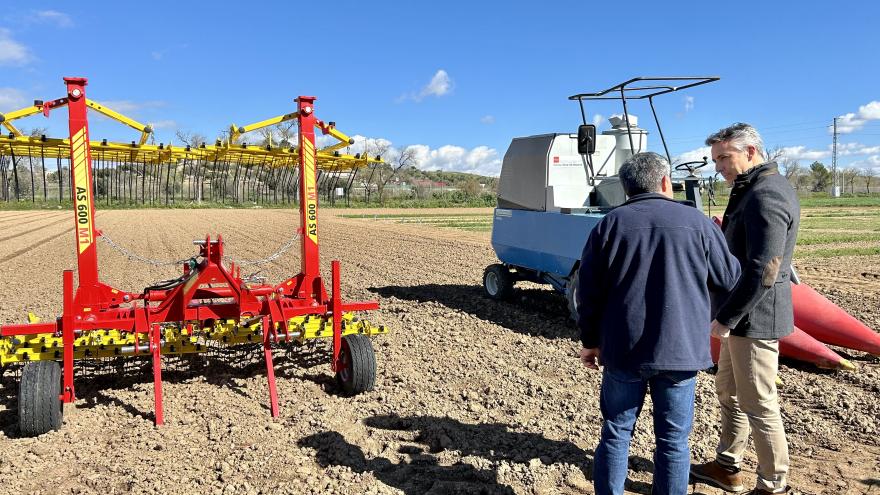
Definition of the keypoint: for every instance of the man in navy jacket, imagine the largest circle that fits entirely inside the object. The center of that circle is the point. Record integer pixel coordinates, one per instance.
(644, 313)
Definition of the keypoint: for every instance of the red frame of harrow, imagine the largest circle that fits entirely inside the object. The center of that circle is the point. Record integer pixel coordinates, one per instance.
(94, 305)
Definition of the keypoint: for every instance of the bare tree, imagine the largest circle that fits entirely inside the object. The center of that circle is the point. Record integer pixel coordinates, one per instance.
(192, 139)
(774, 153)
(406, 158)
(282, 134)
(792, 170)
(38, 132)
(869, 173)
(849, 177)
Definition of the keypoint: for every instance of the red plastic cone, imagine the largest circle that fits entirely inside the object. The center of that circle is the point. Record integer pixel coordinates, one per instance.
(801, 346)
(828, 323)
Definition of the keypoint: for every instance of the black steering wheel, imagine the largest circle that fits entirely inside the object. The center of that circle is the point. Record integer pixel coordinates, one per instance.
(692, 166)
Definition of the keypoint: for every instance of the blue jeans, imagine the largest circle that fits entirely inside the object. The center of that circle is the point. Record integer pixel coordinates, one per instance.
(621, 398)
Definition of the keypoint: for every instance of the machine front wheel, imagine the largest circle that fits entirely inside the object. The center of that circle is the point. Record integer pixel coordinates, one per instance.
(498, 282)
(357, 365)
(39, 402)
(571, 290)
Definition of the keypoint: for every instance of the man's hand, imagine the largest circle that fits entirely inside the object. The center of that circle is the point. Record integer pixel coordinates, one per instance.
(719, 330)
(590, 358)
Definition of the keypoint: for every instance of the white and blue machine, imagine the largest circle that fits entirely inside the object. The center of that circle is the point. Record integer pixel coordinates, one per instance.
(554, 188)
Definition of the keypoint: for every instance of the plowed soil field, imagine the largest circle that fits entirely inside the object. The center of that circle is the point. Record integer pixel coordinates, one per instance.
(472, 396)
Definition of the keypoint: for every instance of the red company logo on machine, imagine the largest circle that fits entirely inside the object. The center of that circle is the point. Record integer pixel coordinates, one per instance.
(83, 194)
(568, 161)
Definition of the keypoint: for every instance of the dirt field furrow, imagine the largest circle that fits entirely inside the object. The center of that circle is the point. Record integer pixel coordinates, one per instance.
(472, 395)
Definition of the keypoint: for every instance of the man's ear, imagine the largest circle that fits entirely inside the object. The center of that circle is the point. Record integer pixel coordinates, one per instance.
(666, 184)
(750, 152)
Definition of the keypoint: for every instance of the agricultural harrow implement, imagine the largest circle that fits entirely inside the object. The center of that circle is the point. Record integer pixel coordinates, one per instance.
(210, 303)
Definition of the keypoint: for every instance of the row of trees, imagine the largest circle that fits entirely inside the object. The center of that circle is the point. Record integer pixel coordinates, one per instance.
(818, 178)
(186, 181)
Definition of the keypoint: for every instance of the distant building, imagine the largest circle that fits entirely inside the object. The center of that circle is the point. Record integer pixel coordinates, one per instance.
(429, 183)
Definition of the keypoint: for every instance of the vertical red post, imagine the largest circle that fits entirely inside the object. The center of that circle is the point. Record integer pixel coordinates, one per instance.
(67, 338)
(270, 368)
(156, 345)
(336, 308)
(81, 171)
(308, 194)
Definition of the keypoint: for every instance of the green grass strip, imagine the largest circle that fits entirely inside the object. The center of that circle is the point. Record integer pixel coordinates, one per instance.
(812, 238)
(835, 252)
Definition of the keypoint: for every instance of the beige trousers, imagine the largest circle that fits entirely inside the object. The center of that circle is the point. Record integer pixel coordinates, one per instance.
(746, 386)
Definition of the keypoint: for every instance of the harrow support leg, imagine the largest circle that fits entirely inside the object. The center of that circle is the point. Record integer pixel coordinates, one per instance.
(336, 308)
(67, 338)
(270, 368)
(156, 346)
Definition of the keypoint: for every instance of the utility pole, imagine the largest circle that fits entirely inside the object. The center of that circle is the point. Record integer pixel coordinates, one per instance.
(834, 161)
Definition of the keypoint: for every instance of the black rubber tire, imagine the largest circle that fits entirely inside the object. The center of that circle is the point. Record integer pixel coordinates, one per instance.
(498, 282)
(39, 404)
(571, 289)
(358, 373)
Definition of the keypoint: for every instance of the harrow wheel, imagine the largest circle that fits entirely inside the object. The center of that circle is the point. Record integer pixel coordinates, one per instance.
(498, 282)
(357, 365)
(39, 402)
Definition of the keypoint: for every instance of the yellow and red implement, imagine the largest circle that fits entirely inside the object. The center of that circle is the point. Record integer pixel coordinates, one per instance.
(209, 302)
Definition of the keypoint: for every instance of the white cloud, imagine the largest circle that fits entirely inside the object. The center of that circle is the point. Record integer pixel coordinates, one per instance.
(688, 103)
(11, 99)
(323, 140)
(487, 119)
(479, 160)
(802, 153)
(598, 119)
(60, 19)
(872, 162)
(694, 155)
(854, 121)
(165, 124)
(846, 149)
(124, 106)
(439, 85)
(11, 51)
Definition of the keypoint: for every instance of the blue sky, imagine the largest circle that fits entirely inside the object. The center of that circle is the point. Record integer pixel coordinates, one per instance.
(457, 80)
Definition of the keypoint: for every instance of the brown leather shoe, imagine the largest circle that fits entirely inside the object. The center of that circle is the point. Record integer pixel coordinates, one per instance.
(728, 479)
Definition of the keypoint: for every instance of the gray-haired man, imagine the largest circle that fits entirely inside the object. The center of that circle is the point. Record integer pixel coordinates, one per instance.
(760, 225)
(643, 308)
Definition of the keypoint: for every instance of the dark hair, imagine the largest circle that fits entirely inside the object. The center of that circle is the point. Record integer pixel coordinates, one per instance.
(643, 173)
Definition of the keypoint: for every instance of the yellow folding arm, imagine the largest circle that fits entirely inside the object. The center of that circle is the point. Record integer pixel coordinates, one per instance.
(236, 132)
(7, 118)
(343, 140)
(145, 129)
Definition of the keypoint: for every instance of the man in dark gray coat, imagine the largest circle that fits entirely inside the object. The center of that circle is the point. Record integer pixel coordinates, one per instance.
(760, 225)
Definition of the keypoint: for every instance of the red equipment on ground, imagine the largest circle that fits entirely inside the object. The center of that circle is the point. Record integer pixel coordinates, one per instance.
(208, 297)
(828, 323)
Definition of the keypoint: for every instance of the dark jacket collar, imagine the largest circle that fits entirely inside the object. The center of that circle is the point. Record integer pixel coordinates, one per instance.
(752, 174)
(653, 195)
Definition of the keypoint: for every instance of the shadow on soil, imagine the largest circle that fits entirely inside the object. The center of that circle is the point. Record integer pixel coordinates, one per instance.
(416, 465)
(530, 311)
(95, 381)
